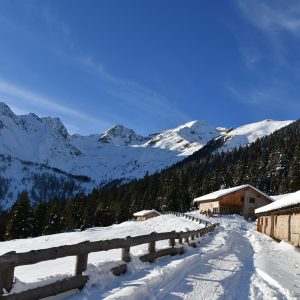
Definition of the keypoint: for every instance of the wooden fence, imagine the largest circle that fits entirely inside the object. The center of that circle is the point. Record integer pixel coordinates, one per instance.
(193, 218)
(10, 260)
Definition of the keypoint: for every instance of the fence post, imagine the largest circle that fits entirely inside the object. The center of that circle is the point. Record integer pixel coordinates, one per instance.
(7, 275)
(179, 238)
(172, 242)
(151, 249)
(81, 263)
(126, 254)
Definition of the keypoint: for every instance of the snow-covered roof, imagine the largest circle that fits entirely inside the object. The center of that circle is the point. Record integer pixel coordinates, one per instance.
(223, 192)
(278, 197)
(143, 213)
(290, 200)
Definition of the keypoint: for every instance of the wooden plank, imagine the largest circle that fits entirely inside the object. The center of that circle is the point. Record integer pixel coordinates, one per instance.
(153, 237)
(68, 284)
(36, 256)
(163, 252)
(187, 234)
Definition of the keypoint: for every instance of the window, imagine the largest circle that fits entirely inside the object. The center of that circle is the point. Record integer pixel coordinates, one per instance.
(242, 199)
(251, 200)
(216, 210)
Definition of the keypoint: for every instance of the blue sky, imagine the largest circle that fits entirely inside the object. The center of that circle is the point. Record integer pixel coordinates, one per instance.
(151, 65)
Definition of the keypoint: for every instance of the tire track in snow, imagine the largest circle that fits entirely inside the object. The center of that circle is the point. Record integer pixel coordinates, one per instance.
(225, 273)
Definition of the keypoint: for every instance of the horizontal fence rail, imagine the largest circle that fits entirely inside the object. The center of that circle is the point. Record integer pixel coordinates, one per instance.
(10, 260)
(193, 218)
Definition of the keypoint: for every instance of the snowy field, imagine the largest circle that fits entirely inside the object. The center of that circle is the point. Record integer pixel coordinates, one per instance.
(235, 262)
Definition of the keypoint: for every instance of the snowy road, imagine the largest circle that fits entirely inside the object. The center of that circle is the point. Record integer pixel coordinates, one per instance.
(227, 265)
(227, 271)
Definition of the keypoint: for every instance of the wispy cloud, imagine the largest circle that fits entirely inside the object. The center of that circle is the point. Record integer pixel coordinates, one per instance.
(274, 98)
(126, 101)
(273, 16)
(269, 48)
(277, 21)
(132, 93)
(23, 96)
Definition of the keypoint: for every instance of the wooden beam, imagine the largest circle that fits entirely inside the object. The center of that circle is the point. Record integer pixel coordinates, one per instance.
(68, 284)
(81, 263)
(7, 272)
(163, 252)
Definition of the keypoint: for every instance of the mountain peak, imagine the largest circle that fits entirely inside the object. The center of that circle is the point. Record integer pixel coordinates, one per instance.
(120, 136)
(56, 124)
(5, 110)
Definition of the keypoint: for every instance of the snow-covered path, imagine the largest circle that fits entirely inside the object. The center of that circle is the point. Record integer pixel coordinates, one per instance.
(226, 271)
(235, 263)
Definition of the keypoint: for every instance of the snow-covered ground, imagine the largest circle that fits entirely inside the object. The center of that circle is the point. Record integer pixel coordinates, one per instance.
(100, 263)
(235, 262)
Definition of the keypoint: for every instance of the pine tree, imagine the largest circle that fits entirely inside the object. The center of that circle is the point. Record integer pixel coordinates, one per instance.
(3, 222)
(53, 220)
(20, 223)
(40, 213)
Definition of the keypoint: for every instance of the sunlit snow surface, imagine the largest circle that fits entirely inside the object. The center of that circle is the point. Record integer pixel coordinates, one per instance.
(236, 262)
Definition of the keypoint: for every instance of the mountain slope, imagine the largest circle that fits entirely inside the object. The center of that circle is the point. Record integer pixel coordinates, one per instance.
(118, 153)
(271, 164)
(41, 181)
(248, 134)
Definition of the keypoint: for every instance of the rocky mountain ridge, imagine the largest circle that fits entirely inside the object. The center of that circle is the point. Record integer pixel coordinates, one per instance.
(118, 153)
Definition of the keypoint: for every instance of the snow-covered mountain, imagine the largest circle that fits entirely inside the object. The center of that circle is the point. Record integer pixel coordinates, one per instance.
(118, 153)
(41, 182)
(248, 134)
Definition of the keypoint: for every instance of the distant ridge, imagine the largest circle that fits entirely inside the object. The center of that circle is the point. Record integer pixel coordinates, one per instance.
(118, 153)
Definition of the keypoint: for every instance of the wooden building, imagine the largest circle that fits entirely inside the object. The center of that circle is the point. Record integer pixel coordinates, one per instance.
(281, 219)
(146, 214)
(242, 200)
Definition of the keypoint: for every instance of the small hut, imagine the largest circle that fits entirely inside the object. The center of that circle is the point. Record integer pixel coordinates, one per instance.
(281, 219)
(146, 214)
(242, 200)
